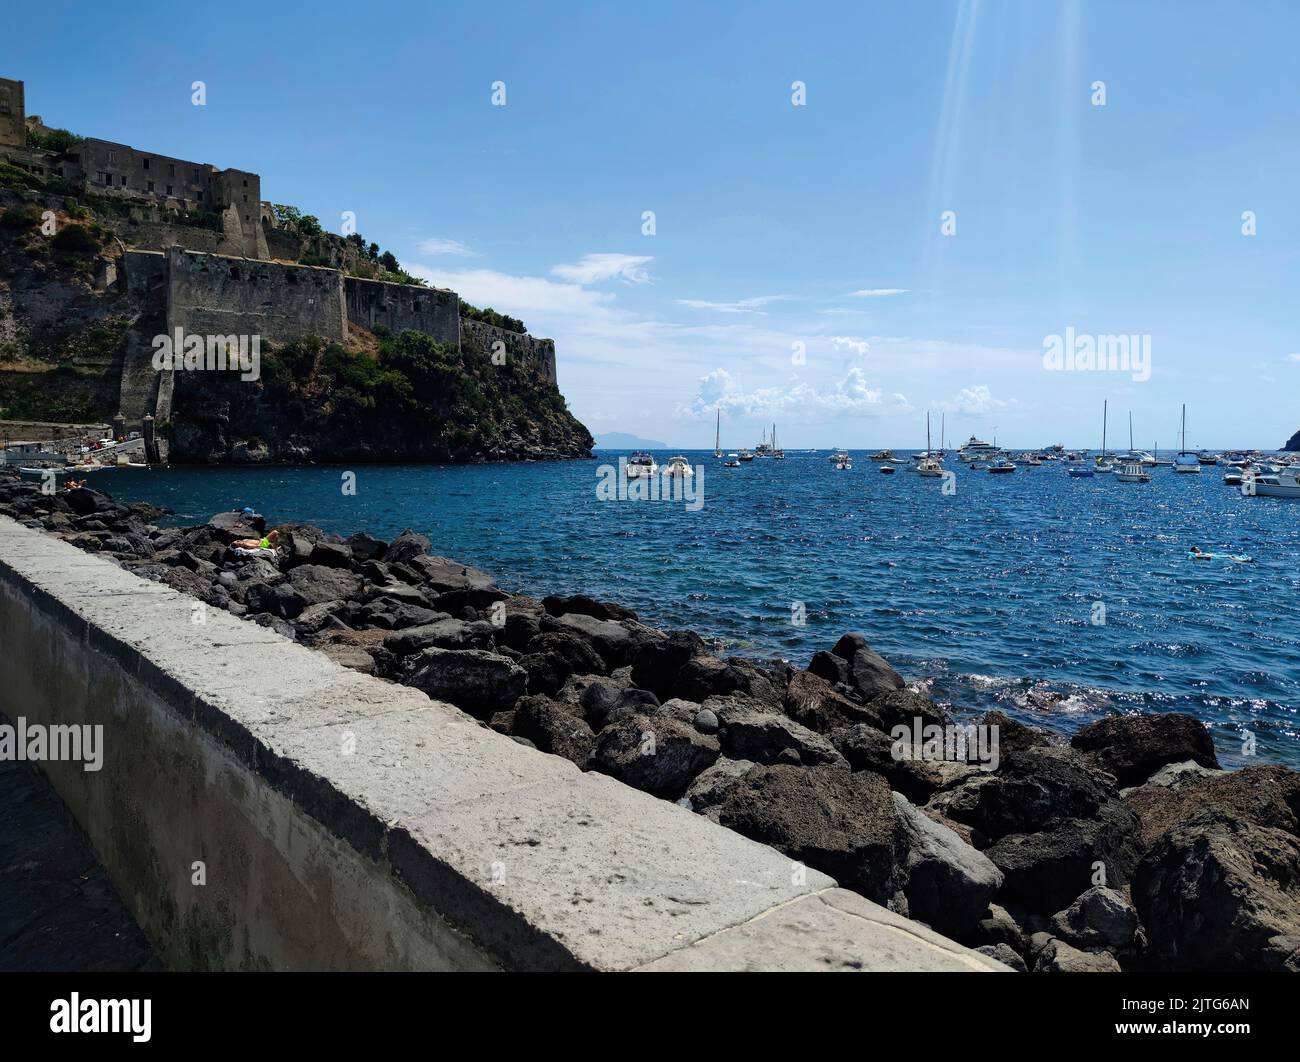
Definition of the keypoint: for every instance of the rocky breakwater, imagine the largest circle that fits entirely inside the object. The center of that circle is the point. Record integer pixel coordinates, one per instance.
(1128, 848)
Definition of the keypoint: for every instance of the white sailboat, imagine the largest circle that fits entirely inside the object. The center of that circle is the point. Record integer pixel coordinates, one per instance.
(1103, 463)
(929, 465)
(1185, 461)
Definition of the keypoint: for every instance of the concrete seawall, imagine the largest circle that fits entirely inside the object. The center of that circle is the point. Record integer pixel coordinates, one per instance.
(342, 822)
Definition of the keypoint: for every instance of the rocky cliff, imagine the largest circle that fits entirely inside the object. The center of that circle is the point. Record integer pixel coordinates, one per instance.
(1293, 443)
(77, 318)
(409, 399)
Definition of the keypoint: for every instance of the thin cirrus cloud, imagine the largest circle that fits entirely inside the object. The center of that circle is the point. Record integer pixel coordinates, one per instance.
(877, 293)
(435, 245)
(754, 305)
(593, 268)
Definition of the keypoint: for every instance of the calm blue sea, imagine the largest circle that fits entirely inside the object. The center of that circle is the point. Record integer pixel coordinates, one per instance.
(987, 596)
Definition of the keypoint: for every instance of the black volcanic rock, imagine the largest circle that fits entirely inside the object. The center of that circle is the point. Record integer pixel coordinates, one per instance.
(1133, 747)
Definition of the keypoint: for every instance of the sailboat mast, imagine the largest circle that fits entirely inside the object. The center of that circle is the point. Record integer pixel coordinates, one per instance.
(927, 433)
(1104, 404)
(1130, 430)
(717, 436)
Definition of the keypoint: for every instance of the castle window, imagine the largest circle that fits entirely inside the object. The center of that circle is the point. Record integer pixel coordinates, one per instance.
(169, 189)
(123, 181)
(200, 196)
(150, 185)
(146, 164)
(245, 185)
(171, 169)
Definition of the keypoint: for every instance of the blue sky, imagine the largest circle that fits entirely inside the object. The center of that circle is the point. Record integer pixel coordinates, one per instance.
(775, 224)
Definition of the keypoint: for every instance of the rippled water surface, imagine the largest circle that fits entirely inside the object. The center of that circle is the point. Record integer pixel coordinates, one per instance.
(988, 596)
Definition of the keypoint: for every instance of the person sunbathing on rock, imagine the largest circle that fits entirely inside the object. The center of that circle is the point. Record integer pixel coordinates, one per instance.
(270, 541)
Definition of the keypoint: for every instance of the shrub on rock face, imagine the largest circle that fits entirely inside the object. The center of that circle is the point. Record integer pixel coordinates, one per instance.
(1215, 893)
(481, 683)
(834, 820)
(1133, 747)
(659, 754)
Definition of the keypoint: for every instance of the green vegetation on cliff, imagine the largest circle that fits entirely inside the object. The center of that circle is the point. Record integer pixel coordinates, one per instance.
(415, 399)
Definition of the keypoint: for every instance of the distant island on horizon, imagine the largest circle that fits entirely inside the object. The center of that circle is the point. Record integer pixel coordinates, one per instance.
(621, 440)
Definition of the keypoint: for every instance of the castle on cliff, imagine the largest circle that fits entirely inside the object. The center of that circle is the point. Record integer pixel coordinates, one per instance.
(235, 272)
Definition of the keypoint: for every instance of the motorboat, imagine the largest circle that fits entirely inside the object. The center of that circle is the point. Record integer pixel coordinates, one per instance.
(842, 461)
(745, 455)
(1002, 467)
(1080, 472)
(678, 468)
(641, 465)
(1284, 484)
(881, 455)
(732, 461)
(1133, 473)
(976, 449)
(887, 470)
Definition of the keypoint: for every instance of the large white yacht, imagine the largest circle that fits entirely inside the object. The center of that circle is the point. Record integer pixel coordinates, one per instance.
(641, 464)
(978, 450)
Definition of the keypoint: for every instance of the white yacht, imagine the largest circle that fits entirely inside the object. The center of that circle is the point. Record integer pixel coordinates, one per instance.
(1283, 484)
(842, 461)
(641, 464)
(678, 468)
(978, 450)
(1133, 472)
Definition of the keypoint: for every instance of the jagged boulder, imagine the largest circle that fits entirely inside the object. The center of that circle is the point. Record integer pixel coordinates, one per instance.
(714, 784)
(1217, 893)
(1266, 795)
(480, 682)
(552, 729)
(442, 632)
(1056, 956)
(656, 664)
(948, 883)
(829, 818)
(1133, 747)
(1045, 871)
(317, 583)
(657, 753)
(868, 672)
(1099, 918)
(812, 701)
(754, 733)
(407, 547)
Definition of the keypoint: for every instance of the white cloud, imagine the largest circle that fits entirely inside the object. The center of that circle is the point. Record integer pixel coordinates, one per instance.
(435, 245)
(517, 295)
(975, 400)
(851, 394)
(742, 306)
(1294, 357)
(853, 343)
(877, 293)
(630, 268)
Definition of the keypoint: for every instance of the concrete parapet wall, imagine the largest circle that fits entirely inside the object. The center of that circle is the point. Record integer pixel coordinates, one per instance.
(346, 823)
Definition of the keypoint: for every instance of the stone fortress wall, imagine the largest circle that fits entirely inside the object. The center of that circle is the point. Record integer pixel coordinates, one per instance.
(230, 278)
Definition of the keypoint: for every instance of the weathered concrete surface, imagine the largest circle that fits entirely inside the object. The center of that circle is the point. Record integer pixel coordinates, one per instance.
(831, 930)
(346, 823)
(58, 909)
